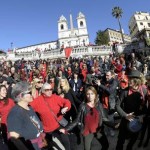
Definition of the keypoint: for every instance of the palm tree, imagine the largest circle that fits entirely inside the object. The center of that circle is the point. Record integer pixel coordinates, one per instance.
(117, 13)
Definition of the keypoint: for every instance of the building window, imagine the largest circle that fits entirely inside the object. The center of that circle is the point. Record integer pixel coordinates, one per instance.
(146, 18)
(62, 27)
(148, 24)
(81, 23)
(141, 23)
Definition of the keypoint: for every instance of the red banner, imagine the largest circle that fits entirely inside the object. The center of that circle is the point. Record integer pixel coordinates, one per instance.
(68, 51)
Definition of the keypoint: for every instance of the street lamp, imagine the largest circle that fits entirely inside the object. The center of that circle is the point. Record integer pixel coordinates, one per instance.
(11, 45)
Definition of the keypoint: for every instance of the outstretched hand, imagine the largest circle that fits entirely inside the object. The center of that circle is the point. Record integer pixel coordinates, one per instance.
(130, 116)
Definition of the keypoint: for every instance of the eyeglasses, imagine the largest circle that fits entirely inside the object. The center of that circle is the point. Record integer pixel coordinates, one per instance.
(47, 90)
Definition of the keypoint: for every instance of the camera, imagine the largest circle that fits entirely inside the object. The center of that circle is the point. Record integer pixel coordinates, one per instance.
(95, 78)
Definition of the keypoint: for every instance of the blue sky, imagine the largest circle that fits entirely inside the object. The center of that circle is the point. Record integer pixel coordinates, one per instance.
(28, 22)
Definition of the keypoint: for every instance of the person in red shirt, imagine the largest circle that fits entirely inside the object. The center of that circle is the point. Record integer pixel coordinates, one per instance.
(6, 105)
(91, 118)
(47, 105)
(118, 66)
(123, 80)
(43, 73)
(84, 72)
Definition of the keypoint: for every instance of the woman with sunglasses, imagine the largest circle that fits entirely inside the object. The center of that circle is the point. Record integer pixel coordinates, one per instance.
(24, 127)
(36, 87)
(6, 105)
(51, 109)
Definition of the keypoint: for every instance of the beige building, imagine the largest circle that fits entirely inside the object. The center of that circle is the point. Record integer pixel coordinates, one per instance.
(139, 23)
(115, 36)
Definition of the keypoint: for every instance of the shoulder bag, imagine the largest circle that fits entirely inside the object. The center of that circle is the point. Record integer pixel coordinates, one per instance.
(43, 143)
(63, 122)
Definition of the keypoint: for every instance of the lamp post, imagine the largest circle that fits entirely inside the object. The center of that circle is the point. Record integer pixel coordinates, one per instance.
(11, 45)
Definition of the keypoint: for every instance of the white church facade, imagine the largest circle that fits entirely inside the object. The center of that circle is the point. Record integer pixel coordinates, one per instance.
(67, 37)
(73, 36)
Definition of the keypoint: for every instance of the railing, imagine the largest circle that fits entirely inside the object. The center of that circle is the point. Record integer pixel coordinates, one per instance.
(53, 54)
(127, 48)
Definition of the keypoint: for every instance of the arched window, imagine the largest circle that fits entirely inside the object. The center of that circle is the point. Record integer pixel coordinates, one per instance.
(62, 27)
(81, 23)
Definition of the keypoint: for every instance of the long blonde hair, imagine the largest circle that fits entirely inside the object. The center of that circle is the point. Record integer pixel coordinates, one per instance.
(65, 88)
(33, 87)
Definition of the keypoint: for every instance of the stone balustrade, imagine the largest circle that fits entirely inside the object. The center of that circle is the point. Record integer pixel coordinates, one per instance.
(53, 54)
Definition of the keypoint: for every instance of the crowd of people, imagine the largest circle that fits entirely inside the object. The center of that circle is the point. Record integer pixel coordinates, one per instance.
(75, 101)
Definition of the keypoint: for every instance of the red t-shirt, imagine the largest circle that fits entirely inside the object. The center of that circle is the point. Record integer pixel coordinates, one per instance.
(91, 121)
(84, 74)
(56, 103)
(5, 109)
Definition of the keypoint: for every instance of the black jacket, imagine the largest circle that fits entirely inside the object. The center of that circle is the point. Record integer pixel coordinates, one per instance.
(83, 110)
(131, 103)
(111, 91)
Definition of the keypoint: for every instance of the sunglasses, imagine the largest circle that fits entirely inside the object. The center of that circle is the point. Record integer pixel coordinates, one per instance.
(47, 90)
(26, 92)
(39, 82)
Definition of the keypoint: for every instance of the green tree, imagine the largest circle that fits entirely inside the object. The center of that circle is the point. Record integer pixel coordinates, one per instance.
(117, 13)
(101, 38)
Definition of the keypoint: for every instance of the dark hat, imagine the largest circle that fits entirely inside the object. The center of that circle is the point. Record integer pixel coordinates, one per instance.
(135, 125)
(134, 74)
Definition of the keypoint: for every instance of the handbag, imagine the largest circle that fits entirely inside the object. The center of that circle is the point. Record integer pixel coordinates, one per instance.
(63, 122)
(43, 142)
(135, 125)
